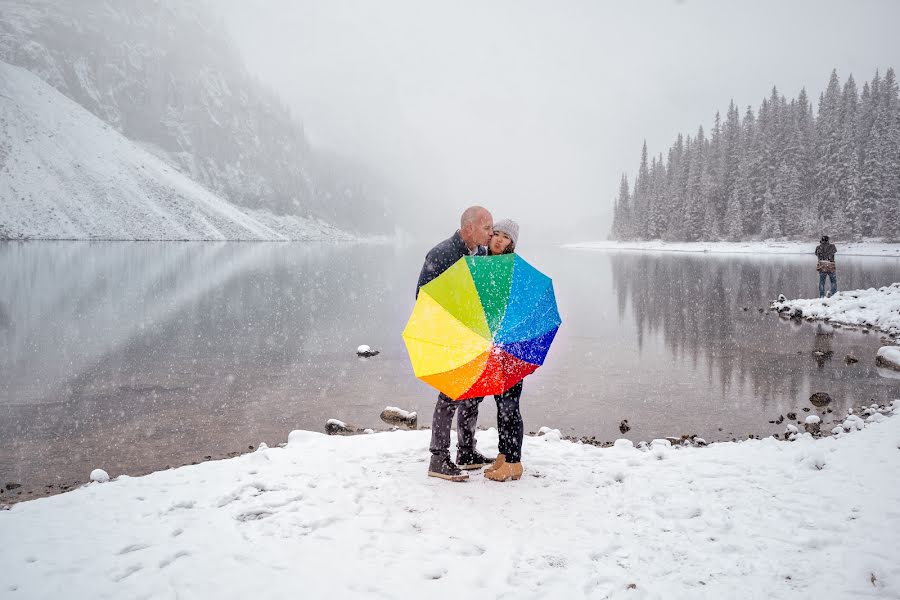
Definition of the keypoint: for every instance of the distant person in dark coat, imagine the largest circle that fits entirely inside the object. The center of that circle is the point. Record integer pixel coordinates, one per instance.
(476, 227)
(825, 252)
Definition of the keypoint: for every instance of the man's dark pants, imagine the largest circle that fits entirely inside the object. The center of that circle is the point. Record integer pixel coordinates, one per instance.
(467, 416)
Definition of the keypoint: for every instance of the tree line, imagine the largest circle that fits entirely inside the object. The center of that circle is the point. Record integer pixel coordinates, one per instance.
(779, 172)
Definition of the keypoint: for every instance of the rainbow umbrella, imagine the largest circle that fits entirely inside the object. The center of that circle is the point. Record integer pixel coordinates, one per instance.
(481, 326)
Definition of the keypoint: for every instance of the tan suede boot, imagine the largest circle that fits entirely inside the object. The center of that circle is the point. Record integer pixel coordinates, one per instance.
(505, 472)
(498, 462)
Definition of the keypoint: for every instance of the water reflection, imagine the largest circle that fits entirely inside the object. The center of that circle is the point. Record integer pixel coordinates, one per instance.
(710, 312)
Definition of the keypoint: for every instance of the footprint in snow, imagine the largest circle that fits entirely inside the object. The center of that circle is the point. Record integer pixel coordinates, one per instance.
(132, 548)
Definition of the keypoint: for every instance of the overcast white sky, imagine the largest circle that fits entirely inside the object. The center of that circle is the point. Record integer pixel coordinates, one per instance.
(534, 109)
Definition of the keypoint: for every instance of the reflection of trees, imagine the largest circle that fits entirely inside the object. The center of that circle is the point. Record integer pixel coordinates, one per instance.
(696, 304)
(136, 349)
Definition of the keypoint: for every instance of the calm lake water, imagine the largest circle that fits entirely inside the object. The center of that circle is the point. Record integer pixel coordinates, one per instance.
(137, 356)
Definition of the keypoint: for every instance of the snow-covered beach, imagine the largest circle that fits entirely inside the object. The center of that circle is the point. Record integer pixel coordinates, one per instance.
(871, 308)
(864, 248)
(344, 517)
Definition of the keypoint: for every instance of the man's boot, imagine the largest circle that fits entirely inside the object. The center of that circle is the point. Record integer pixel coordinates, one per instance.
(470, 458)
(441, 466)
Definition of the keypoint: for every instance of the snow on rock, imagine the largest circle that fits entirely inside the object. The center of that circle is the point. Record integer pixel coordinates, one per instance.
(813, 419)
(405, 414)
(549, 434)
(99, 475)
(756, 515)
(397, 416)
(365, 351)
(875, 308)
(622, 443)
(852, 423)
(889, 357)
(865, 248)
(302, 437)
(68, 175)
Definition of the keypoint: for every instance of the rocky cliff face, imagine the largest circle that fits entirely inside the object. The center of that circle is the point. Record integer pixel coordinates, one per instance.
(165, 74)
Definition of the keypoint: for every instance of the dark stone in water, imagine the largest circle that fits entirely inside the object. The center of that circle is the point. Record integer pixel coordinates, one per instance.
(779, 420)
(624, 427)
(850, 359)
(792, 416)
(12, 486)
(819, 399)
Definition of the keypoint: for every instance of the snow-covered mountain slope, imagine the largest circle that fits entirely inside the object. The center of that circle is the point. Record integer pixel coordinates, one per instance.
(167, 74)
(65, 174)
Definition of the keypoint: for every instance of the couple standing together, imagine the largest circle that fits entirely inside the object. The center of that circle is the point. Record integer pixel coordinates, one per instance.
(478, 235)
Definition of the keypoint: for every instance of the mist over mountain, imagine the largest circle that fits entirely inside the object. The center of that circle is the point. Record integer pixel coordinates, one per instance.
(166, 75)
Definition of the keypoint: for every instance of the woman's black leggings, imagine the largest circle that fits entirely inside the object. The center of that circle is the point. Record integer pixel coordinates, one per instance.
(509, 423)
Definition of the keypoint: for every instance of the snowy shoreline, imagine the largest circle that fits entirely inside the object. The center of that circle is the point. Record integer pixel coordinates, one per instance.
(877, 309)
(341, 517)
(864, 248)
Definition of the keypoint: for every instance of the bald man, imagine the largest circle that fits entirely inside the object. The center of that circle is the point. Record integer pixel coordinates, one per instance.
(475, 229)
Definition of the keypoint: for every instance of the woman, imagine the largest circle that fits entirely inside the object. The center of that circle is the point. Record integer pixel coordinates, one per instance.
(508, 463)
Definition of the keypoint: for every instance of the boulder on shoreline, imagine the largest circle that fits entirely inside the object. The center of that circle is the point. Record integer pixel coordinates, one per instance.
(399, 417)
(888, 357)
(338, 427)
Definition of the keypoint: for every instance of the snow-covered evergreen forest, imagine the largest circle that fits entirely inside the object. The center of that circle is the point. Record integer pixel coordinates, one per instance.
(782, 171)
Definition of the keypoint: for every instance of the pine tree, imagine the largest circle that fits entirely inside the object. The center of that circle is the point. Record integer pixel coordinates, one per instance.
(769, 227)
(890, 206)
(641, 197)
(731, 151)
(846, 220)
(623, 211)
(828, 140)
(733, 225)
(695, 207)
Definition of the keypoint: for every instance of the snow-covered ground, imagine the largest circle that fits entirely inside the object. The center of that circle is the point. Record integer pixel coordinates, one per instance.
(875, 308)
(865, 248)
(350, 517)
(65, 174)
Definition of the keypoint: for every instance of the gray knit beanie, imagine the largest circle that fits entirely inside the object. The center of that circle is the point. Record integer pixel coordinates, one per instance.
(509, 227)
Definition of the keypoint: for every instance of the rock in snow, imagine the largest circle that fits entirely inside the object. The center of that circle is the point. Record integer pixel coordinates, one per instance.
(336, 427)
(397, 416)
(99, 475)
(888, 357)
